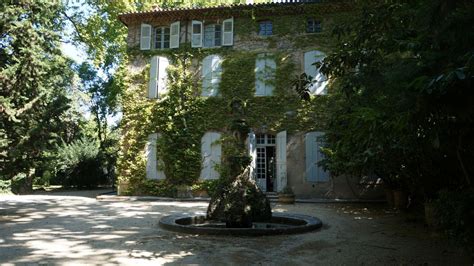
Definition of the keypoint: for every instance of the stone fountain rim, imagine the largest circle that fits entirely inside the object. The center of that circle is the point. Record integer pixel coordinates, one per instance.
(310, 223)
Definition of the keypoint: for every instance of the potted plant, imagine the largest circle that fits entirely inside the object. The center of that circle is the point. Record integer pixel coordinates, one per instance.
(286, 196)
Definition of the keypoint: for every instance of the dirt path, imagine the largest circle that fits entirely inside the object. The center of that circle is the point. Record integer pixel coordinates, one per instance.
(69, 229)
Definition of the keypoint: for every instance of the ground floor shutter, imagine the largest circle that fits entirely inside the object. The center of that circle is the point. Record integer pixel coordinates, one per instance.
(314, 141)
(154, 166)
(211, 152)
(281, 160)
(252, 149)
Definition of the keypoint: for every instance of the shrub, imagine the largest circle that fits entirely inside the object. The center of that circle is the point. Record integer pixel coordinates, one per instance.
(210, 186)
(159, 188)
(455, 213)
(5, 186)
(80, 164)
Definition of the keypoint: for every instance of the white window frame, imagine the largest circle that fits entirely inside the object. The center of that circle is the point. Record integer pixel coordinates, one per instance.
(162, 38)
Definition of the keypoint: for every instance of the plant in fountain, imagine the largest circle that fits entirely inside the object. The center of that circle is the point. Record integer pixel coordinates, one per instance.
(238, 201)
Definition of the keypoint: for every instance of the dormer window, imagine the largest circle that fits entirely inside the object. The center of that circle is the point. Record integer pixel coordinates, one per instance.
(265, 28)
(162, 37)
(313, 26)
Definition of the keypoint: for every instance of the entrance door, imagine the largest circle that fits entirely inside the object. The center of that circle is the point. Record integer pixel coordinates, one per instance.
(266, 162)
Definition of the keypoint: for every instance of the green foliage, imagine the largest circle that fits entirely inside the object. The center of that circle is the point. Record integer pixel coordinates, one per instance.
(402, 104)
(455, 215)
(210, 186)
(80, 164)
(5, 186)
(159, 188)
(34, 79)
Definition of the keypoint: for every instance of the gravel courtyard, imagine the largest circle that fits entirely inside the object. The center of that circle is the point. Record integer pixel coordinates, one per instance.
(52, 229)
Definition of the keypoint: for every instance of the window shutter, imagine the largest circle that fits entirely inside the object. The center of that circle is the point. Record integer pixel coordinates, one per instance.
(252, 149)
(162, 76)
(270, 68)
(323, 176)
(211, 75)
(216, 152)
(150, 154)
(313, 144)
(206, 156)
(153, 83)
(206, 76)
(319, 80)
(216, 72)
(281, 160)
(211, 155)
(310, 157)
(145, 37)
(174, 34)
(228, 32)
(260, 77)
(196, 36)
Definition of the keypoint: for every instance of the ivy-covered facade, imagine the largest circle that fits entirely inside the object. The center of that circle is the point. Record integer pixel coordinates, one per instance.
(187, 70)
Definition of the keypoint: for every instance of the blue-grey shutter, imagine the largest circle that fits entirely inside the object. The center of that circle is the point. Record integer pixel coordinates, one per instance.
(260, 77)
(228, 32)
(174, 34)
(323, 176)
(310, 157)
(196, 33)
(145, 37)
(320, 81)
(154, 73)
(314, 141)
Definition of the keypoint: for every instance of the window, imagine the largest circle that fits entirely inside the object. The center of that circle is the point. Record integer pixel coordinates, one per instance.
(265, 28)
(265, 75)
(212, 35)
(265, 139)
(162, 38)
(313, 26)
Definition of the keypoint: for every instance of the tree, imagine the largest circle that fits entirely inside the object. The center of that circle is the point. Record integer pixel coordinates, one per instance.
(34, 77)
(402, 101)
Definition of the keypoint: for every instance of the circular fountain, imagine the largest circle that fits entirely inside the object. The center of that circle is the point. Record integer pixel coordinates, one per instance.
(280, 223)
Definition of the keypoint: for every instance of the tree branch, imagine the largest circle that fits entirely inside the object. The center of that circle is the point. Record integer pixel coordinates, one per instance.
(76, 27)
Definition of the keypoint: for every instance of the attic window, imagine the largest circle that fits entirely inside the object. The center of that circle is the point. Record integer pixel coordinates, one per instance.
(212, 35)
(162, 38)
(313, 26)
(265, 28)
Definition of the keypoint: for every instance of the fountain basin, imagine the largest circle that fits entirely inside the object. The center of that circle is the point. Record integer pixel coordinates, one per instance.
(281, 223)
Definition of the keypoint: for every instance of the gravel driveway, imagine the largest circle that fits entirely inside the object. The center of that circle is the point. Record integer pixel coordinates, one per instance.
(48, 229)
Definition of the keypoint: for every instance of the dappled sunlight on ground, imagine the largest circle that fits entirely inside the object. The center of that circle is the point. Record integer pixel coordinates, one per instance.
(81, 230)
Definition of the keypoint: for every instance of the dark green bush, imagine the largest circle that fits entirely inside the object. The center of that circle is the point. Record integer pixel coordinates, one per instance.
(81, 164)
(455, 213)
